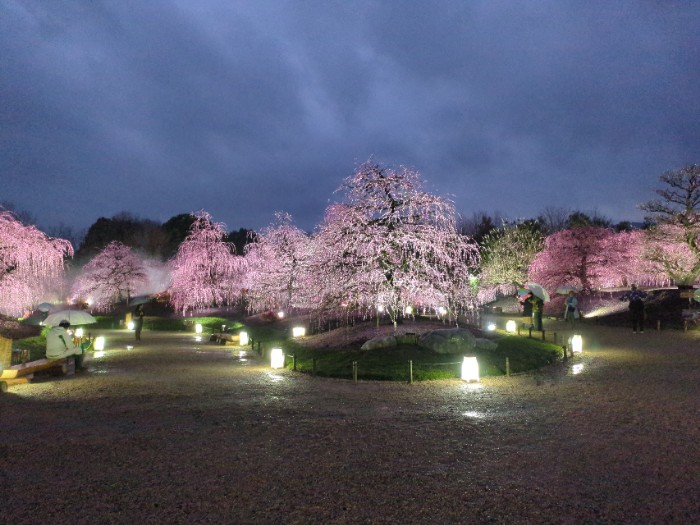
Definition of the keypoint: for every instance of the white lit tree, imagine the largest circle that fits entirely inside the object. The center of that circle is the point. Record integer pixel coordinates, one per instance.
(115, 274)
(277, 262)
(674, 238)
(31, 264)
(391, 245)
(205, 271)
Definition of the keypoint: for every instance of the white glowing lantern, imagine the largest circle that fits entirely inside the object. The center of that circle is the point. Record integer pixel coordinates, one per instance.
(198, 328)
(576, 344)
(78, 332)
(442, 310)
(470, 369)
(298, 331)
(89, 302)
(280, 314)
(130, 325)
(491, 327)
(380, 308)
(408, 310)
(243, 337)
(577, 369)
(511, 327)
(99, 343)
(276, 358)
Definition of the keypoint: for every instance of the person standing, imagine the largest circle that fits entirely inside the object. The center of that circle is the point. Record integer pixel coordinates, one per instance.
(138, 313)
(537, 307)
(636, 306)
(571, 312)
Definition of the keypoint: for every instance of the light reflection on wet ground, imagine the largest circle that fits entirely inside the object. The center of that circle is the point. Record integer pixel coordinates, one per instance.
(609, 436)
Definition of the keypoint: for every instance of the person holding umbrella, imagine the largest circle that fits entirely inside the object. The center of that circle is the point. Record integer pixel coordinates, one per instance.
(571, 312)
(59, 344)
(537, 307)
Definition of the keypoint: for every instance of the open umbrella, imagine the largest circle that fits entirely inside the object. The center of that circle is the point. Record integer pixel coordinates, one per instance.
(74, 317)
(538, 291)
(143, 299)
(44, 307)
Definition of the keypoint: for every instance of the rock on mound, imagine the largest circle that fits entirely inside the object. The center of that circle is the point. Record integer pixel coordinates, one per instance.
(447, 341)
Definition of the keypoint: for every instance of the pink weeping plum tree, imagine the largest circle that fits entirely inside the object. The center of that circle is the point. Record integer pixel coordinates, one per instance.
(115, 274)
(591, 258)
(31, 264)
(277, 267)
(205, 272)
(391, 245)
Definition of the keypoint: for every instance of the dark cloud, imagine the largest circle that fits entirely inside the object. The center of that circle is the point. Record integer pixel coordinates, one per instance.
(247, 108)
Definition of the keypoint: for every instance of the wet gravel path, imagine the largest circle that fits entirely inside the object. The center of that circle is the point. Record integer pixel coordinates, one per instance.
(175, 431)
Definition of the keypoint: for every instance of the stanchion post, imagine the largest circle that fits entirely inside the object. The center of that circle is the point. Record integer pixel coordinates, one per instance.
(294, 362)
(313, 366)
(410, 371)
(507, 367)
(543, 334)
(354, 371)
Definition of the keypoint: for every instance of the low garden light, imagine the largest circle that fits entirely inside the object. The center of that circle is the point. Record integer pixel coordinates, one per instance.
(511, 327)
(576, 344)
(276, 358)
(470, 369)
(408, 310)
(243, 338)
(442, 310)
(380, 308)
(280, 314)
(99, 343)
(130, 325)
(79, 332)
(198, 328)
(491, 327)
(298, 331)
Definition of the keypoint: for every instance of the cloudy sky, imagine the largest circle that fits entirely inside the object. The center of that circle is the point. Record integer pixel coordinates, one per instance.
(244, 108)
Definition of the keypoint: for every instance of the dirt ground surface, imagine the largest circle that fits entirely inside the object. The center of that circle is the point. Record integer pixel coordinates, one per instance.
(179, 431)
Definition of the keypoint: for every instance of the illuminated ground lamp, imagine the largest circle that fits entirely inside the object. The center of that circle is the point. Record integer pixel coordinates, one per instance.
(442, 310)
(130, 325)
(298, 331)
(380, 308)
(576, 344)
(78, 332)
(511, 327)
(408, 310)
(280, 314)
(99, 343)
(198, 328)
(491, 327)
(470, 369)
(577, 369)
(243, 338)
(276, 358)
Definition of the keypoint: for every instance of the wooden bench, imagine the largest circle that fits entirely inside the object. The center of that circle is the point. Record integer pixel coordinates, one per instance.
(24, 372)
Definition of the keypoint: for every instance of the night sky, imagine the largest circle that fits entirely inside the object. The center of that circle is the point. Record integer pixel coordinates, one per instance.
(244, 108)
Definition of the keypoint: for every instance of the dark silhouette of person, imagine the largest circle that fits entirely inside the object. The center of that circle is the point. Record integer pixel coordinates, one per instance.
(138, 314)
(636, 307)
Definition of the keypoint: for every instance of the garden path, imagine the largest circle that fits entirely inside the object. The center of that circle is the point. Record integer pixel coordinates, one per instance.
(179, 431)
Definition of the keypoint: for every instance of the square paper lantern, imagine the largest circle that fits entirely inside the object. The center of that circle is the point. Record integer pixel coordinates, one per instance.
(243, 338)
(130, 325)
(470, 369)
(78, 332)
(99, 343)
(491, 327)
(276, 358)
(298, 331)
(511, 327)
(576, 344)
(198, 328)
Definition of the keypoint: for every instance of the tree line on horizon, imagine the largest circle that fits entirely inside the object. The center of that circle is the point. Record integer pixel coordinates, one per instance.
(389, 244)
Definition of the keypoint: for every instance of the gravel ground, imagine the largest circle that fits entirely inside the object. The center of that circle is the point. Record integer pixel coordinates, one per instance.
(175, 431)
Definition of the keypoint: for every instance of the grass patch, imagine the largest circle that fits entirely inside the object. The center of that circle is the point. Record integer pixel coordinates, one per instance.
(391, 364)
